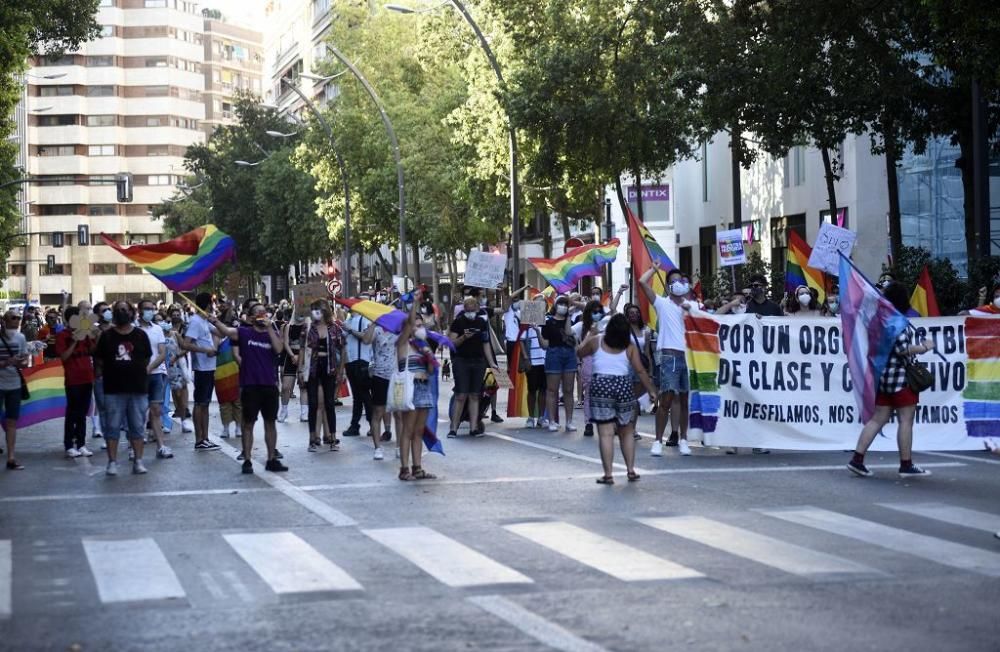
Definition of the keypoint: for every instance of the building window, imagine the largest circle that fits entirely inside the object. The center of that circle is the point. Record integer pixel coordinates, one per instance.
(102, 179)
(159, 180)
(780, 226)
(155, 4)
(98, 210)
(157, 150)
(17, 270)
(107, 30)
(706, 251)
(155, 121)
(100, 91)
(64, 60)
(56, 91)
(132, 269)
(56, 150)
(800, 165)
(100, 62)
(64, 120)
(101, 150)
(57, 270)
(157, 62)
(157, 91)
(107, 3)
(106, 269)
(106, 120)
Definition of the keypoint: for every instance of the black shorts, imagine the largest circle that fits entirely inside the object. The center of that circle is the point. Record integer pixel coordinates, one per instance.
(204, 385)
(289, 368)
(536, 378)
(469, 375)
(259, 399)
(380, 391)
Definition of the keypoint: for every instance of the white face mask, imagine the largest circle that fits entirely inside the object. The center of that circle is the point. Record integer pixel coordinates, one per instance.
(740, 309)
(834, 306)
(805, 300)
(679, 288)
(470, 314)
(561, 310)
(420, 333)
(317, 315)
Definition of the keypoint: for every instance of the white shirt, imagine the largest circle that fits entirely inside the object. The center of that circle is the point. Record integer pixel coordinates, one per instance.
(511, 325)
(200, 331)
(535, 350)
(670, 324)
(356, 348)
(156, 339)
(611, 364)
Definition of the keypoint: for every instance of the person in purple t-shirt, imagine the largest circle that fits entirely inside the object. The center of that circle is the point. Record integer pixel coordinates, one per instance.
(260, 345)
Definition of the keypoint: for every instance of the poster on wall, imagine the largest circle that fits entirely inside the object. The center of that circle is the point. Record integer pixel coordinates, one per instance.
(655, 203)
(731, 250)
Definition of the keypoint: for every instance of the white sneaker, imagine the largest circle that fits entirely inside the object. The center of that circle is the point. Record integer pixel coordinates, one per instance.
(84, 452)
(657, 449)
(112, 468)
(379, 455)
(570, 427)
(72, 452)
(682, 446)
(304, 412)
(542, 423)
(283, 413)
(553, 427)
(187, 425)
(131, 454)
(138, 467)
(396, 450)
(530, 423)
(164, 453)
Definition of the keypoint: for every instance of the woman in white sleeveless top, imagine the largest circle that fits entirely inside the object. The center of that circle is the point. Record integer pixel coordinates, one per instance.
(613, 404)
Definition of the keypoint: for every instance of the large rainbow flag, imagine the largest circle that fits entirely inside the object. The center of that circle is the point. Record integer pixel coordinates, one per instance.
(645, 249)
(797, 270)
(703, 351)
(47, 386)
(564, 272)
(388, 318)
(923, 301)
(517, 395)
(981, 406)
(185, 262)
(227, 374)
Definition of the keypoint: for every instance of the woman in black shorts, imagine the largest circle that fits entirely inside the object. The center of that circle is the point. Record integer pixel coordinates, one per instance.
(292, 335)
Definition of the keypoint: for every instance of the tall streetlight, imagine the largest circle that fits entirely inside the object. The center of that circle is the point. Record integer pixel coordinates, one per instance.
(343, 176)
(395, 150)
(515, 236)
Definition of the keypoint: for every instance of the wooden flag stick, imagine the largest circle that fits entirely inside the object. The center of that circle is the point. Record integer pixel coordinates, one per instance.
(193, 304)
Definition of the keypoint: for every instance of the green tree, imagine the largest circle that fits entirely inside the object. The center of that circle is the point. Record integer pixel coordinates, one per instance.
(949, 289)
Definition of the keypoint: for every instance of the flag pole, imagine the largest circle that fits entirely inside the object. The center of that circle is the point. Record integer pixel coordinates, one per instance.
(193, 304)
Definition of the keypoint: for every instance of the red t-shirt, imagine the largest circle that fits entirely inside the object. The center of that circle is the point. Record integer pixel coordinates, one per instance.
(79, 367)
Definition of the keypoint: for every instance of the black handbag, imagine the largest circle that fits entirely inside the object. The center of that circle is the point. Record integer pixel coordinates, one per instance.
(643, 356)
(918, 376)
(25, 394)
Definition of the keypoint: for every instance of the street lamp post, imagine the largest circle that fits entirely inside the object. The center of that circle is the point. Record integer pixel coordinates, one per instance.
(395, 152)
(515, 237)
(343, 176)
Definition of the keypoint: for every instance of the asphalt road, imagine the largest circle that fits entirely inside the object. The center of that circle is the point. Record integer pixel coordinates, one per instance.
(514, 547)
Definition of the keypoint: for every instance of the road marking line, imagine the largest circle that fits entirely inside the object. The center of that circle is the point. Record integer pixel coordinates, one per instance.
(606, 555)
(448, 561)
(212, 585)
(552, 449)
(241, 589)
(131, 570)
(933, 549)
(967, 458)
(6, 578)
(955, 515)
(288, 564)
(314, 505)
(762, 549)
(134, 494)
(545, 632)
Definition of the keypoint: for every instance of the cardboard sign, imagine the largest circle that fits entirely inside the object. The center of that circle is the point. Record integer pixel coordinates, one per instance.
(533, 313)
(731, 251)
(831, 241)
(485, 270)
(304, 295)
(503, 379)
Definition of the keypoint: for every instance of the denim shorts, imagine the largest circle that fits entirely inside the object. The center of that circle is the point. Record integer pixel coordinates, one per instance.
(157, 387)
(11, 401)
(674, 377)
(560, 360)
(422, 398)
(126, 411)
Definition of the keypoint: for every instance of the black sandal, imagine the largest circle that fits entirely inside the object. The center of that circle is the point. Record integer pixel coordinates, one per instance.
(14, 465)
(404, 474)
(633, 476)
(420, 474)
(606, 480)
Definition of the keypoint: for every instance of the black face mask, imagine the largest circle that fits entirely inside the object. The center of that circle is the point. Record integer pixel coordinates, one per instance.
(122, 317)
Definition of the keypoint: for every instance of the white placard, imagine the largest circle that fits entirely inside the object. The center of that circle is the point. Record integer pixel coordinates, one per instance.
(485, 270)
(731, 250)
(533, 313)
(831, 241)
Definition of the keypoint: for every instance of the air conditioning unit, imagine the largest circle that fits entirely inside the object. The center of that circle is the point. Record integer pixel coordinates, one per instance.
(137, 241)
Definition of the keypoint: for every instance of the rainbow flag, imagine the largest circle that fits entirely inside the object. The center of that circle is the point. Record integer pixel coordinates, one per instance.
(185, 262)
(797, 270)
(227, 374)
(549, 293)
(517, 396)
(923, 301)
(47, 386)
(870, 326)
(645, 249)
(703, 352)
(564, 272)
(981, 406)
(385, 316)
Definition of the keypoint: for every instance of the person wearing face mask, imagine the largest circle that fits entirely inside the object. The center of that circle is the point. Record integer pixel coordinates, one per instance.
(359, 355)
(326, 369)
(831, 306)
(199, 340)
(175, 373)
(413, 352)
(804, 303)
(556, 337)
(884, 280)
(157, 382)
(102, 312)
(737, 305)
(642, 337)
(512, 322)
(292, 335)
(469, 333)
(47, 333)
(590, 324)
(123, 355)
(673, 382)
(759, 304)
(13, 357)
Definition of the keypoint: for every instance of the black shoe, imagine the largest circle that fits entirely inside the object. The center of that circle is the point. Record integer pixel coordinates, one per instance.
(672, 440)
(387, 435)
(247, 467)
(278, 455)
(478, 432)
(338, 403)
(274, 466)
(352, 432)
(206, 445)
(588, 430)
(496, 418)
(912, 471)
(858, 468)
(452, 434)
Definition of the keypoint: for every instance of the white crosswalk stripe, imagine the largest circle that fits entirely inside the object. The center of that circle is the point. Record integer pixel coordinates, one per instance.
(617, 559)
(933, 549)
(955, 515)
(288, 564)
(762, 549)
(6, 577)
(131, 570)
(450, 562)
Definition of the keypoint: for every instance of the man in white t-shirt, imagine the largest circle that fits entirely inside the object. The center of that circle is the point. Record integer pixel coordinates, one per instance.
(157, 369)
(198, 338)
(673, 381)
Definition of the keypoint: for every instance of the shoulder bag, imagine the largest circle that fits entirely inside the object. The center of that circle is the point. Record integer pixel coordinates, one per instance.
(918, 376)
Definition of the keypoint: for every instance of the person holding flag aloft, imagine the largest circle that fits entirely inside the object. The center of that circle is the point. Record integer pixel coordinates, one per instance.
(412, 350)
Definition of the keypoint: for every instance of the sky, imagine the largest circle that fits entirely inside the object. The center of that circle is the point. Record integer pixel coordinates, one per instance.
(249, 13)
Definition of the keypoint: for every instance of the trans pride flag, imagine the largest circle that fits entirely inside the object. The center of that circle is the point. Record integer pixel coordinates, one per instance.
(564, 272)
(47, 386)
(870, 327)
(797, 270)
(185, 262)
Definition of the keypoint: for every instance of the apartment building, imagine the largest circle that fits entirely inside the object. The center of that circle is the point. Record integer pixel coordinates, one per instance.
(233, 62)
(130, 101)
(295, 43)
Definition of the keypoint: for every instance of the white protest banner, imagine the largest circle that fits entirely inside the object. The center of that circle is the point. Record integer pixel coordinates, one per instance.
(784, 383)
(485, 270)
(533, 313)
(731, 251)
(830, 243)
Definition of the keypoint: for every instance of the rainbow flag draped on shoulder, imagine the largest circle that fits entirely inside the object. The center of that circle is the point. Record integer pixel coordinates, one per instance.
(47, 386)
(797, 270)
(645, 249)
(565, 272)
(227, 374)
(185, 262)
(870, 327)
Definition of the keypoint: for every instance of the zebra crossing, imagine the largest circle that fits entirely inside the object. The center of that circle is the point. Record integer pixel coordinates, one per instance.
(640, 549)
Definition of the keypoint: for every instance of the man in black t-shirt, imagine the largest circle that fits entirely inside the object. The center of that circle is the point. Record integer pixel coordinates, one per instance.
(123, 355)
(759, 304)
(469, 333)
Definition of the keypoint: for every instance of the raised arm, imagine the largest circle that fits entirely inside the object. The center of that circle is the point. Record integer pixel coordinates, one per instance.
(644, 281)
(617, 297)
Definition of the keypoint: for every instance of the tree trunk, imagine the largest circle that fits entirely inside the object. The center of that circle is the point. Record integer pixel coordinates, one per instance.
(622, 202)
(453, 282)
(831, 178)
(416, 263)
(638, 194)
(968, 191)
(735, 150)
(564, 224)
(892, 186)
(385, 266)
